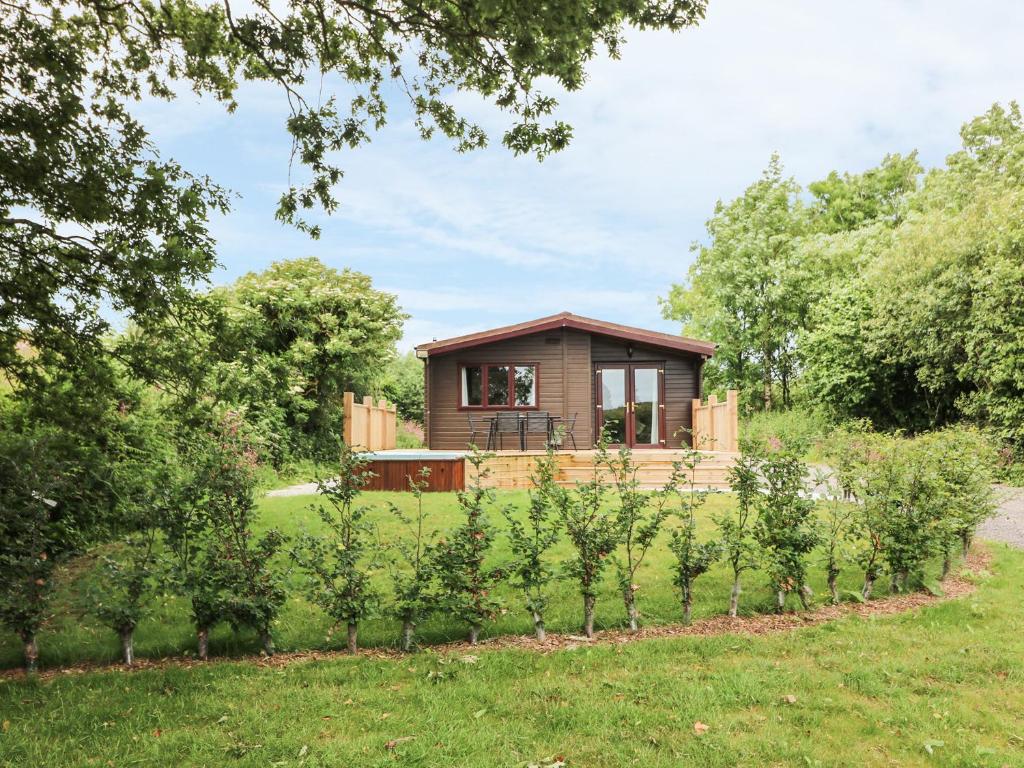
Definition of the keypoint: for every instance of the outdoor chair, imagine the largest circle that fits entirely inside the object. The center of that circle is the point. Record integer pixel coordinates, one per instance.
(565, 430)
(506, 422)
(479, 424)
(537, 423)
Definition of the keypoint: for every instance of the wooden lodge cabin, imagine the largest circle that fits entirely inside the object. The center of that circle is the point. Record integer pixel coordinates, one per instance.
(586, 374)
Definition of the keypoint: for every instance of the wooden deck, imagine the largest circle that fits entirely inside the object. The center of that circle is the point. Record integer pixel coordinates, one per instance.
(451, 471)
(512, 469)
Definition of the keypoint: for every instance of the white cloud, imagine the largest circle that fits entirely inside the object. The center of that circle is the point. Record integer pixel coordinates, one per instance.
(604, 227)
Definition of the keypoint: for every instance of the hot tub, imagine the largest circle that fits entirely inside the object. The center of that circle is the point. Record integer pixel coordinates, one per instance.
(392, 469)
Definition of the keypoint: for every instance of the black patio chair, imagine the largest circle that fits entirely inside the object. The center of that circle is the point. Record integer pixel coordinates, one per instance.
(479, 424)
(564, 430)
(537, 423)
(508, 422)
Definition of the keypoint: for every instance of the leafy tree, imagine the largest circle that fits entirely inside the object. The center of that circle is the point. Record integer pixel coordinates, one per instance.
(282, 346)
(736, 527)
(846, 202)
(785, 523)
(242, 561)
(638, 518)
(693, 557)
(459, 559)
(835, 531)
(594, 532)
(92, 216)
(403, 386)
(34, 531)
(216, 559)
(530, 541)
(748, 288)
(127, 583)
(340, 564)
(412, 574)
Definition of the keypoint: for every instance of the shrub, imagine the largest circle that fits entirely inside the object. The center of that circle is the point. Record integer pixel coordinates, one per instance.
(128, 582)
(530, 571)
(459, 559)
(785, 524)
(594, 532)
(340, 564)
(411, 572)
(693, 558)
(638, 520)
(736, 528)
(836, 529)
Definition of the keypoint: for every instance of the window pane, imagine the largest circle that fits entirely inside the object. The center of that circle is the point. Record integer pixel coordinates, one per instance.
(497, 385)
(526, 385)
(646, 416)
(472, 385)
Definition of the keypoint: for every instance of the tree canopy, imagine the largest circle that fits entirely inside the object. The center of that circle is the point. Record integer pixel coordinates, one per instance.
(891, 294)
(92, 217)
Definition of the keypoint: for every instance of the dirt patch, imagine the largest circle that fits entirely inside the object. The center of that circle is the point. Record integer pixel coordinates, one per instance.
(958, 584)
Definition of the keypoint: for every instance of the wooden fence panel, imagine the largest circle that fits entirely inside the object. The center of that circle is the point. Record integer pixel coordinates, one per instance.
(716, 425)
(369, 427)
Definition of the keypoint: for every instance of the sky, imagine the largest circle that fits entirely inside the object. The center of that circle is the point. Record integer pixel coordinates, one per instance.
(603, 229)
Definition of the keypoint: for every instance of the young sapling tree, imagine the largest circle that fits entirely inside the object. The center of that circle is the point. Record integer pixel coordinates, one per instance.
(530, 540)
(835, 530)
(736, 526)
(410, 566)
(693, 557)
(33, 533)
(459, 559)
(594, 532)
(785, 526)
(127, 583)
(340, 563)
(639, 520)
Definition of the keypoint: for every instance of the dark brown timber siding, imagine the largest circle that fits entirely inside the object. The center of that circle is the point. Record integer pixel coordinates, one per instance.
(681, 380)
(565, 377)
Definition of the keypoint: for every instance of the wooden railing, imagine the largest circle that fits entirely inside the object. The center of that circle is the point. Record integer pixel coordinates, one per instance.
(716, 425)
(369, 427)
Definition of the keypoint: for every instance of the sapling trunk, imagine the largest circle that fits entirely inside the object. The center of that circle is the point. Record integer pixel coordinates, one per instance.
(869, 585)
(203, 642)
(734, 598)
(947, 563)
(588, 615)
(31, 651)
(267, 643)
(687, 602)
(833, 585)
(629, 598)
(353, 643)
(780, 600)
(474, 633)
(408, 628)
(805, 593)
(965, 543)
(538, 626)
(127, 645)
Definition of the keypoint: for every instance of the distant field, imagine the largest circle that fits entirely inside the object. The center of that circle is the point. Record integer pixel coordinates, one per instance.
(72, 637)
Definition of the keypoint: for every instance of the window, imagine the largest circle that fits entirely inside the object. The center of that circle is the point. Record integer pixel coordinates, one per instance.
(498, 386)
(472, 385)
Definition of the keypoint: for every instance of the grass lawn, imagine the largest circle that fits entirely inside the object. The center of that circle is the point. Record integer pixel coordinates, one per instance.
(72, 636)
(942, 685)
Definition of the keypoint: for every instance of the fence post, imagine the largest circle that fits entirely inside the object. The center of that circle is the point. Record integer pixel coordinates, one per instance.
(348, 401)
(732, 418)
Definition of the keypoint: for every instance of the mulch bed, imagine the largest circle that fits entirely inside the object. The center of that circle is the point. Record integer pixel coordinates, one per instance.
(957, 584)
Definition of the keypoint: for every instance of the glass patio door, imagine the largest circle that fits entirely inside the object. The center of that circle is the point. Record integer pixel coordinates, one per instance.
(630, 407)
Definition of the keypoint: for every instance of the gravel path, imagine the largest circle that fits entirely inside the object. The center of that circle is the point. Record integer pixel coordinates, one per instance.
(1007, 524)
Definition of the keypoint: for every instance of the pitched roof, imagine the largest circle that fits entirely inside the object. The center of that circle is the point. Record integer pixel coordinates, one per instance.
(575, 322)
